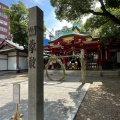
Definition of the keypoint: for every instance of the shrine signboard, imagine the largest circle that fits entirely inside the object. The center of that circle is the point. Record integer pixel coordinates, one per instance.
(16, 93)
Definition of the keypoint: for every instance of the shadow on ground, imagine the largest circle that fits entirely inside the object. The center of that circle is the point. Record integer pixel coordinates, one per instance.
(102, 101)
(8, 110)
(53, 110)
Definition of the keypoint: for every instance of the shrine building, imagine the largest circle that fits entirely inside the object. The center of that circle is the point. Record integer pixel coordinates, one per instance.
(98, 55)
(12, 56)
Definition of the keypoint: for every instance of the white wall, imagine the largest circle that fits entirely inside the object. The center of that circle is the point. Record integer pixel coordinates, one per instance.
(3, 62)
(118, 57)
(23, 63)
(11, 63)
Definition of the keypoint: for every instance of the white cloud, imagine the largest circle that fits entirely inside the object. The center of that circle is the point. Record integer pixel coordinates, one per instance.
(34, 2)
(41, 2)
(52, 23)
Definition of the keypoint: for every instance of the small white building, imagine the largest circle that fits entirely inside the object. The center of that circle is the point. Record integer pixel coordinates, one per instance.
(12, 56)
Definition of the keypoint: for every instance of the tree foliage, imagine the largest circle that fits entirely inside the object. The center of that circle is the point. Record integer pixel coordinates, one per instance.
(18, 16)
(103, 27)
(104, 21)
(74, 9)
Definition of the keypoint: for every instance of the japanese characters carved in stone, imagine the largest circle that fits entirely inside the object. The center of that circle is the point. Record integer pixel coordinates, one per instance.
(32, 61)
(32, 30)
(32, 46)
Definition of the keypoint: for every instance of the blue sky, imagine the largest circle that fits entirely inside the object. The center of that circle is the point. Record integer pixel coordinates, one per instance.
(49, 16)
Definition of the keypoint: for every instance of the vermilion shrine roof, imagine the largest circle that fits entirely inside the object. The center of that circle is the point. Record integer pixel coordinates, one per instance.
(73, 31)
(72, 37)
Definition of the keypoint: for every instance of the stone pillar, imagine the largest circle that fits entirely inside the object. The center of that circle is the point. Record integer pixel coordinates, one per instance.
(83, 66)
(35, 65)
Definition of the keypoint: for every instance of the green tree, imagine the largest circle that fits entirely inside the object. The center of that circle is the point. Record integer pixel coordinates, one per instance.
(18, 16)
(104, 21)
(74, 9)
(102, 26)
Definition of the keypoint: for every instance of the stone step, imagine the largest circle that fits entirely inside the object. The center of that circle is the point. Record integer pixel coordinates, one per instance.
(88, 73)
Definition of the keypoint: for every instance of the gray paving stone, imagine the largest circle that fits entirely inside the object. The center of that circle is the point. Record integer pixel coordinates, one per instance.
(61, 99)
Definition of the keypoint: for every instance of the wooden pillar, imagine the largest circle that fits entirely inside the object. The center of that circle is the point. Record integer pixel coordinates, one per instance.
(35, 65)
(17, 60)
(100, 60)
(7, 60)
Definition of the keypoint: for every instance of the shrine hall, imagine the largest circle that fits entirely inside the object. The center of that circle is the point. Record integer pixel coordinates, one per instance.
(98, 55)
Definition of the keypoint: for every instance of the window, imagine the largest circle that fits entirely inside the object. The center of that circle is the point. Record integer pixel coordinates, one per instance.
(2, 7)
(3, 36)
(3, 29)
(3, 22)
(3, 15)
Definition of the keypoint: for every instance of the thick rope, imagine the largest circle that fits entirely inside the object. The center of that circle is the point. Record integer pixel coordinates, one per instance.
(52, 59)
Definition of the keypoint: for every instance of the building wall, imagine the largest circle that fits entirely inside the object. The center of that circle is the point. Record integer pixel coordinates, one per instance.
(11, 63)
(23, 63)
(3, 62)
(4, 24)
(8, 62)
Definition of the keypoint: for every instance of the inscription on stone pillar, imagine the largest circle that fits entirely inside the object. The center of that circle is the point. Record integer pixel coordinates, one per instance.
(32, 61)
(32, 46)
(32, 30)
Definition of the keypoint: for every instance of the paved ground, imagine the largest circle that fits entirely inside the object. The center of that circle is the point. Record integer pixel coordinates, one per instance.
(102, 101)
(61, 99)
(7, 107)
